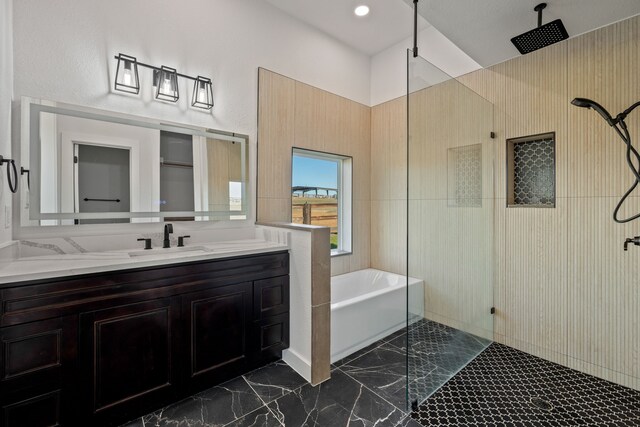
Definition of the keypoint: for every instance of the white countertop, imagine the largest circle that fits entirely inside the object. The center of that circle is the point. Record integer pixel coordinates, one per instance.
(63, 265)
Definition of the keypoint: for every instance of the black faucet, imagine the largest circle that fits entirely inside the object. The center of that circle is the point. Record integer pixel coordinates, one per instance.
(168, 229)
(634, 241)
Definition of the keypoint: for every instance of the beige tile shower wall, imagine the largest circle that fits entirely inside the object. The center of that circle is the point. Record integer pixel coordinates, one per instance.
(603, 281)
(389, 186)
(566, 290)
(563, 287)
(294, 114)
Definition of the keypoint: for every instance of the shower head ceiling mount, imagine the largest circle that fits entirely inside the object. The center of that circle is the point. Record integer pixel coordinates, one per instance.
(542, 36)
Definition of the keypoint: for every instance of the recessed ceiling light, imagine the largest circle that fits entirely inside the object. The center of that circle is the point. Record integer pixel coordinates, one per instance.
(362, 10)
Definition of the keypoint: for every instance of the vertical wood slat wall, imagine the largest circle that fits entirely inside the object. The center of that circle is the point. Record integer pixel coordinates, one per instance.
(294, 114)
(563, 287)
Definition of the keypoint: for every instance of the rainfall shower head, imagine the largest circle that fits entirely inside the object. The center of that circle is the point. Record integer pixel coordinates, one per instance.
(587, 103)
(543, 36)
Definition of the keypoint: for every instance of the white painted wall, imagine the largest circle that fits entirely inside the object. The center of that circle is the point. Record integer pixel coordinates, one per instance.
(6, 94)
(64, 52)
(389, 67)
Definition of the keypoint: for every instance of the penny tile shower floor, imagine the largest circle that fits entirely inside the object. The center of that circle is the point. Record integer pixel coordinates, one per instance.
(368, 389)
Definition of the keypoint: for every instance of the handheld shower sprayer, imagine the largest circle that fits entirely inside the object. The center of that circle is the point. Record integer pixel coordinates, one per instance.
(587, 103)
(632, 156)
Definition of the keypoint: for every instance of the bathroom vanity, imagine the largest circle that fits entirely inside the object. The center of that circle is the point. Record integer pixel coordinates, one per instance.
(104, 347)
(99, 328)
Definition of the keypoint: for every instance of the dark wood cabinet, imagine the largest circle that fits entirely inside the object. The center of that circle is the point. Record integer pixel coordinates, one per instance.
(102, 349)
(217, 327)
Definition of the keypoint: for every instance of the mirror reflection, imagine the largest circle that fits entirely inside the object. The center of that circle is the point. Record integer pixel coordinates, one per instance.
(89, 167)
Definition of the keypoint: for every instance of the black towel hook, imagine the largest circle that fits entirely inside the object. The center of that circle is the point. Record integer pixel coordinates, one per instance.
(12, 179)
(26, 171)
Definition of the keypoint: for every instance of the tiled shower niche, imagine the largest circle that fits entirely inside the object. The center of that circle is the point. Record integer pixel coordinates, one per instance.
(464, 181)
(531, 171)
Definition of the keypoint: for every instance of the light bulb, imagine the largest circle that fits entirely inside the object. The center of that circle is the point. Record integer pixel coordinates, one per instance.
(202, 93)
(166, 86)
(126, 78)
(127, 75)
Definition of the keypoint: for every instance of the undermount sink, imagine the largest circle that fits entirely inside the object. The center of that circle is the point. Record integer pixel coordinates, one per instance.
(164, 251)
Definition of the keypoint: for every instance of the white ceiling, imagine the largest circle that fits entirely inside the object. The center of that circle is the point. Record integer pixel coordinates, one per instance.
(483, 28)
(388, 22)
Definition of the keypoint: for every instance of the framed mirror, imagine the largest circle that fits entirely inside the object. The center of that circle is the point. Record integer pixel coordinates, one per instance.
(88, 166)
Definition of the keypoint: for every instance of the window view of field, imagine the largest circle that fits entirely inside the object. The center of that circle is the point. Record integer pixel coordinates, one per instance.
(314, 194)
(320, 210)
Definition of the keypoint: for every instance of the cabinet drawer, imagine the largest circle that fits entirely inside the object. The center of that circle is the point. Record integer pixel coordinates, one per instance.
(35, 353)
(270, 337)
(270, 297)
(40, 411)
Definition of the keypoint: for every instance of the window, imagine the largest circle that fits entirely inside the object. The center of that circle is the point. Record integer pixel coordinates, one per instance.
(235, 199)
(321, 194)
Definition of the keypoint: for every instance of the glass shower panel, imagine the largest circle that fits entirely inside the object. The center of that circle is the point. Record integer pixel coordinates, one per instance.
(450, 205)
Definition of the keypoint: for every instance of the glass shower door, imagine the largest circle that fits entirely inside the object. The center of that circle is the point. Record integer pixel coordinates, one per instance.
(450, 205)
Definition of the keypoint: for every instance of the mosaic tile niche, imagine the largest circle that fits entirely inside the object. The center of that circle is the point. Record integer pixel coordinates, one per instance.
(531, 171)
(464, 167)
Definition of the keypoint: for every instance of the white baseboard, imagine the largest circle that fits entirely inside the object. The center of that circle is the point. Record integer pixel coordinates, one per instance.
(298, 363)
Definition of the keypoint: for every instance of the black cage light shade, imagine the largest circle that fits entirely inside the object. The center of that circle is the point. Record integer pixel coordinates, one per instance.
(167, 89)
(202, 93)
(127, 74)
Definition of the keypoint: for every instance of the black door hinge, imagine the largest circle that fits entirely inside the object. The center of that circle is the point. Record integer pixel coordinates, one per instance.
(493, 310)
(75, 159)
(492, 135)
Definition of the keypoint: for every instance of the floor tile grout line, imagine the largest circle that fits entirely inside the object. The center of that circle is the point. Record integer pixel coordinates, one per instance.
(265, 404)
(363, 354)
(374, 392)
(255, 410)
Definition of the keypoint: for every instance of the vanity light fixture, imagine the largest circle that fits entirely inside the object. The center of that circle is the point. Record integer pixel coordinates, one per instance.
(202, 93)
(167, 89)
(362, 10)
(127, 74)
(165, 82)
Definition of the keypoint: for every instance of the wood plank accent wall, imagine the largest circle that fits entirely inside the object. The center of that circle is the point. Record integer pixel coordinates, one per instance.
(294, 114)
(563, 288)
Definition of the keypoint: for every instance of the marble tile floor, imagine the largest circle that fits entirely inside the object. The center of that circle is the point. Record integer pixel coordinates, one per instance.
(500, 387)
(367, 388)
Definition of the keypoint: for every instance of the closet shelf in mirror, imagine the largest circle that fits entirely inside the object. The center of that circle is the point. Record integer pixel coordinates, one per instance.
(176, 164)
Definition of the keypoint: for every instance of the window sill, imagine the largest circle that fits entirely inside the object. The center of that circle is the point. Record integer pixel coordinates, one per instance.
(339, 252)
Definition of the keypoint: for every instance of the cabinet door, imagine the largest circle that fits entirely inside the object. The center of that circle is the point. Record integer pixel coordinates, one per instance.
(130, 358)
(217, 325)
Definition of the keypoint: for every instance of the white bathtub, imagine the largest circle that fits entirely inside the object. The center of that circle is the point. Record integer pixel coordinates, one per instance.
(367, 305)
